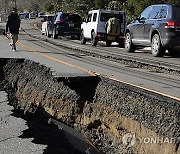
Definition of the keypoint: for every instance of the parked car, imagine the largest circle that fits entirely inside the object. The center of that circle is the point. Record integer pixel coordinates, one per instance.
(22, 15)
(67, 24)
(40, 14)
(95, 27)
(158, 26)
(47, 25)
(32, 15)
(26, 15)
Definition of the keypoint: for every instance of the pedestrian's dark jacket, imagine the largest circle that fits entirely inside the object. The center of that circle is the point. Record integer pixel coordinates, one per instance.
(13, 23)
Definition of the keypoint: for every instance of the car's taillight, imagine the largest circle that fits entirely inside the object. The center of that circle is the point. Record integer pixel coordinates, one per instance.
(172, 24)
(60, 21)
(98, 35)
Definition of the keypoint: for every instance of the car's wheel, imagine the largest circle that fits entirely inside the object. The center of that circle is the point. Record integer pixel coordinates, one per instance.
(48, 35)
(121, 43)
(78, 36)
(82, 38)
(93, 39)
(73, 37)
(45, 32)
(173, 52)
(108, 43)
(129, 46)
(156, 46)
(55, 36)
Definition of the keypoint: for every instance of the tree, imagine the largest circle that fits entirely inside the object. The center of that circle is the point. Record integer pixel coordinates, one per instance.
(100, 4)
(135, 7)
(115, 5)
(131, 7)
(77, 6)
(49, 7)
(35, 7)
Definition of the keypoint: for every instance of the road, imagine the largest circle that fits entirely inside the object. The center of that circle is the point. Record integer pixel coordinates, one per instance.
(143, 54)
(66, 62)
(20, 134)
(11, 131)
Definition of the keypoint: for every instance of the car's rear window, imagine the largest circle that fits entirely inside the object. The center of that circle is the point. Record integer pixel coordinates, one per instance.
(72, 17)
(177, 12)
(105, 16)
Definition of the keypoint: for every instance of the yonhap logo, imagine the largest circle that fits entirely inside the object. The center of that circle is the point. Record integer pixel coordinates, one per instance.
(129, 140)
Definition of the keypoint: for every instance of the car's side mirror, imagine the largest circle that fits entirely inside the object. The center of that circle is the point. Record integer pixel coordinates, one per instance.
(142, 19)
(137, 18)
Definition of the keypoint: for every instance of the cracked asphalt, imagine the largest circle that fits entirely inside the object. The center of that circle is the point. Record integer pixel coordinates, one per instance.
(24, 134)
(11, 132)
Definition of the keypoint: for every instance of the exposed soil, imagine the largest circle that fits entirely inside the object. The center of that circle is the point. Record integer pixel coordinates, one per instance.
(102, 109)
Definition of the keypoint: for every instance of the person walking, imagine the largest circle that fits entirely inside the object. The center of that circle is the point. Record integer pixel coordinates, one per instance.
(13, 25)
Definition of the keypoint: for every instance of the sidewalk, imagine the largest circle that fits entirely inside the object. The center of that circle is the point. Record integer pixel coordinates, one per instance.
(40, 55)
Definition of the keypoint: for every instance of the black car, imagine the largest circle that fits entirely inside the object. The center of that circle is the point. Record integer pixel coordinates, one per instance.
(67, 24)
(158, 26)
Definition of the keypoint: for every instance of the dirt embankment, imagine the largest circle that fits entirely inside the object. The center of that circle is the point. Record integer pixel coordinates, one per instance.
(107, 112)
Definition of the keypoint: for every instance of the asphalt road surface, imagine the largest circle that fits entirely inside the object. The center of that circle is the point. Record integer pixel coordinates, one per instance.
(20, 134)
(69, 63)
(11, 131)
(65, 62)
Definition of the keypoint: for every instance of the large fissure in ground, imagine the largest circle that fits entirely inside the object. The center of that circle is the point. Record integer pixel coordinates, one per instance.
(116, 117)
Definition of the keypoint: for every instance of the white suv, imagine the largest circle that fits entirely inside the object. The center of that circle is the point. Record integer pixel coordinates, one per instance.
(95, 27)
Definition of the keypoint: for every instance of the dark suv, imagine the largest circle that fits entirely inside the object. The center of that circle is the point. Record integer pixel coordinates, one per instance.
(158, 26)
(67, 24)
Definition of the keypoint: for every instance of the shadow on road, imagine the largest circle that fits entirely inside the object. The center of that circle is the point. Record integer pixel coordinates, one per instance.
(55, 139)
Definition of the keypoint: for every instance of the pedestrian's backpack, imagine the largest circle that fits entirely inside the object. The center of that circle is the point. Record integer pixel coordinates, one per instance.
(113, 26)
